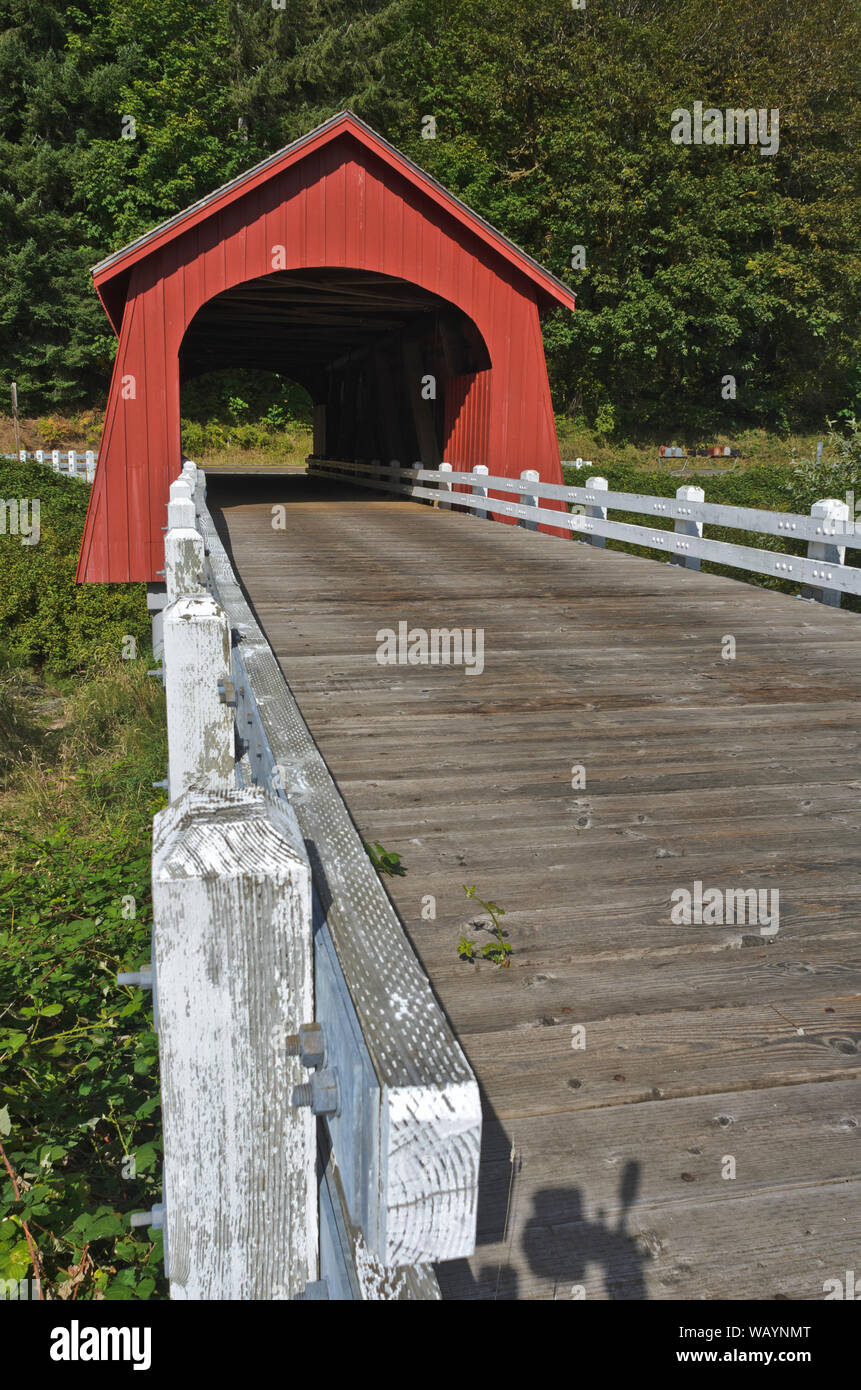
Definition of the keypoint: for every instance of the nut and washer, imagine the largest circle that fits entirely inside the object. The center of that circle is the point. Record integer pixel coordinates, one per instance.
(309, 1044)
(320, 1094)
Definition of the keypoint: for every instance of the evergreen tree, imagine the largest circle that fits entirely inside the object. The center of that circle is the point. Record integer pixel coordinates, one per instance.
(552, 122)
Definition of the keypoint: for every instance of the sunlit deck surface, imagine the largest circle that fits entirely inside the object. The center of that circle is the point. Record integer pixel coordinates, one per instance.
(605, 1169)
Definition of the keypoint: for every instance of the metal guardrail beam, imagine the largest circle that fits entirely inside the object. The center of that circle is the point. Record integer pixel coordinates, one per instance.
(786, 525)
(821, 573)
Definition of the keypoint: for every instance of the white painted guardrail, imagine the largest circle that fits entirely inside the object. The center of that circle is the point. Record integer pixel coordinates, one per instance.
(284, 990)
(76, 463)
(828, 531)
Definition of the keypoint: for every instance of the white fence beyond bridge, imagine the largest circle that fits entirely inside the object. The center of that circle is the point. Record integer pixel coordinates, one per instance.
(74, 462)
(322, 1126)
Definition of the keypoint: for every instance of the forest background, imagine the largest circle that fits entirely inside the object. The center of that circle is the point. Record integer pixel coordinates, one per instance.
(551, 121)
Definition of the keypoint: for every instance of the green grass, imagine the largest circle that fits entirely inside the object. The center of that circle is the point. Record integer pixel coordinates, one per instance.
(759, 448)
(78, 1057)
(48, 623)
(292, 455)
(246, 445)
(81, 741)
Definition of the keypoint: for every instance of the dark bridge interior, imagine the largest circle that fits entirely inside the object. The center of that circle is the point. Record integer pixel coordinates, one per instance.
(361, 344)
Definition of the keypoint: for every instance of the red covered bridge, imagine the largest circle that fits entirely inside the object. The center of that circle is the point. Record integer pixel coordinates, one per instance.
(340, 264)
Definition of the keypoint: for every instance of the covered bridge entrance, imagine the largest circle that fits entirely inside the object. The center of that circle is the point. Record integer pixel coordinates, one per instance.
(411, 322)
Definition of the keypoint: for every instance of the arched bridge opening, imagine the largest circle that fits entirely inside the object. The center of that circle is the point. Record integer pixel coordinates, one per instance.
(387, 363)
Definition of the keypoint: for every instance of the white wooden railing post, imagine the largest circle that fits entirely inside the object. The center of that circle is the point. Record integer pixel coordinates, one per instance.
(181, 513)
(40, 456)
(834, 515)
(72, 463)
(445, 487)
(183, 560)
(91, 465)
(55, 460)
(184, 564)
(197, 679)
(233, 961)
(688, 493)
(597, 485)
(478, 490)
(529, 475)
(181, 487)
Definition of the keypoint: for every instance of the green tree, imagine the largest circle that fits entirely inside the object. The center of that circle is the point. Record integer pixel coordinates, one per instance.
(700, 261)
(552, 122)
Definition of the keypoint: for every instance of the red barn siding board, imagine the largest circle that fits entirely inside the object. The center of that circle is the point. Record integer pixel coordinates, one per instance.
(339, 198)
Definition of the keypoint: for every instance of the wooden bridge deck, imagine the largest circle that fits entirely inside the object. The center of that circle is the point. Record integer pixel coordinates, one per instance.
(702, 1042)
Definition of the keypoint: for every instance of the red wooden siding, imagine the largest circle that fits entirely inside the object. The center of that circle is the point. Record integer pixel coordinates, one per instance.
(344, 203)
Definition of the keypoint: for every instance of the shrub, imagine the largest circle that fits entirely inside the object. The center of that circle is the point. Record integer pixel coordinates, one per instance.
(48, 621)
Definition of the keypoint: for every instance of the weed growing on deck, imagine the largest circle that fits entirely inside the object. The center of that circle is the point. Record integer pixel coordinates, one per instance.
(385, 861)
(499, 951)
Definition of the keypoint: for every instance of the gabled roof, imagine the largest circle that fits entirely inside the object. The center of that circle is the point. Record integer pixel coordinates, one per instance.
(120, 262)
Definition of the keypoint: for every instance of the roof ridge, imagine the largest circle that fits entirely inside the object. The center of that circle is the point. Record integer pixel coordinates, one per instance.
(351, 123)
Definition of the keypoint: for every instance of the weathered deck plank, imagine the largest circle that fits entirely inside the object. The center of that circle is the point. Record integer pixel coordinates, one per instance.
(741, 773)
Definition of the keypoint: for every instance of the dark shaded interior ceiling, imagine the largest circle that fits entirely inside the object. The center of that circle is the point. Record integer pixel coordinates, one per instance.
(305, 324)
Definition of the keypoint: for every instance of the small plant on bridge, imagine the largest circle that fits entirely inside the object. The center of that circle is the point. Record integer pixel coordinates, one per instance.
(499, 951)
(466, 949)
(384, 860)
